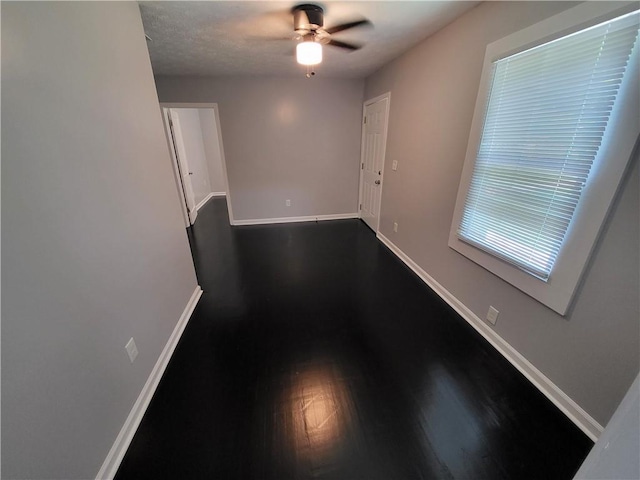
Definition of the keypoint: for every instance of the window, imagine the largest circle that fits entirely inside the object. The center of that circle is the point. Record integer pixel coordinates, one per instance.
(545, 123)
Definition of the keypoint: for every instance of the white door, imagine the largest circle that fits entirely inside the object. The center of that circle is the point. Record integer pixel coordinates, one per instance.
(183, 166)
(374, 139)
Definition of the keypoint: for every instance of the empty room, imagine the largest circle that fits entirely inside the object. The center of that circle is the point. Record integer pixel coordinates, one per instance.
(332, 240)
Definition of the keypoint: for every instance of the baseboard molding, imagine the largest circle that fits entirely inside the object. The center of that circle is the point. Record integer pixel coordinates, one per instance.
(309, 218)
(219, 194)
(570, 408)
(120, 446)
(204, 201)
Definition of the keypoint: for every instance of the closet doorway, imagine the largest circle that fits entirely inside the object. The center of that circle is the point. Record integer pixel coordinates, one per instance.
(195, 144)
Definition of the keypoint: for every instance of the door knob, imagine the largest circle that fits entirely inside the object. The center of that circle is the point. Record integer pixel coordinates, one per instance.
(190, 173)
(377, 182)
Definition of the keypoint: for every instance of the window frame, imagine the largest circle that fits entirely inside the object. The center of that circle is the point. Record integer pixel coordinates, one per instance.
(617, 148)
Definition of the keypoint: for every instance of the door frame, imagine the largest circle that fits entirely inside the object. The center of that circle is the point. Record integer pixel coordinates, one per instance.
(181, 164)
(176, 166)
(366, 103)
(216, 112)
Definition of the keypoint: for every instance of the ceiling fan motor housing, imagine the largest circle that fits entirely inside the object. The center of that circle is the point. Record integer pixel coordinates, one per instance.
(307, 18)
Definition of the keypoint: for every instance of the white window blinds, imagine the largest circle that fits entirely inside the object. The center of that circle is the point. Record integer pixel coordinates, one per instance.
(546, 117)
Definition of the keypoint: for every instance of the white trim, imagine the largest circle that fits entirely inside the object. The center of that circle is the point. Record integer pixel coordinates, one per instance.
(308, 218)
(204, 200)
(219, 194)
(120, 446)
(561, 400)
(216, 112)
(371, 101)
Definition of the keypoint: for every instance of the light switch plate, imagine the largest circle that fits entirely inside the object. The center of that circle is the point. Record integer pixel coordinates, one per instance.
(394, 165)
(492, 315)
(132, 350)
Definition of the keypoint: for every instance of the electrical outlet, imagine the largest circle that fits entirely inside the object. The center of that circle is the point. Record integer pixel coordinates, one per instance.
(492, 315)
(287, 202)
(394, 165)
(132, 350)
(395, 226)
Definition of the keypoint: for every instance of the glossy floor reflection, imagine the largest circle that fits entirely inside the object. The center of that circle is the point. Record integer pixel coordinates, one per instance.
(315, 353)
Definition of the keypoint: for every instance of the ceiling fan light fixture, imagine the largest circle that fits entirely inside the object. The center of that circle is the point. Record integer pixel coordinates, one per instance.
(309, 53)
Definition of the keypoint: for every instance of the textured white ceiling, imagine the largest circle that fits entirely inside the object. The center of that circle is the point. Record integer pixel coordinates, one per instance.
(215, 38)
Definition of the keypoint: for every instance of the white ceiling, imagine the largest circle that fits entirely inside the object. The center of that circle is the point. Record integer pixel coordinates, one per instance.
(213, 38)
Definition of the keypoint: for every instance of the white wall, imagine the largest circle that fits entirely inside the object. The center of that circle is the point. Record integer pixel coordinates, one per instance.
(195, 150)
(284, 138)
(94, 249)
(593, 353)
(212, 149)
(615, 454)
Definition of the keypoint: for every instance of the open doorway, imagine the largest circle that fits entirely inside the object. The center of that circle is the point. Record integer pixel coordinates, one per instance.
(195, 144)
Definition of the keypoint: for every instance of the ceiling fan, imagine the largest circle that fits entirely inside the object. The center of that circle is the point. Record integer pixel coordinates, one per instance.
(308, 24)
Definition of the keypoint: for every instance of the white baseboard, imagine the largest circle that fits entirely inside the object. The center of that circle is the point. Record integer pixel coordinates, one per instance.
(570, 408)
(309, 218)
(219, 194)
(120, 446)
(204, 201)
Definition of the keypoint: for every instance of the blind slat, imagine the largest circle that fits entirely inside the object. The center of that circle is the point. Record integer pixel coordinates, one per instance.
(547, 113)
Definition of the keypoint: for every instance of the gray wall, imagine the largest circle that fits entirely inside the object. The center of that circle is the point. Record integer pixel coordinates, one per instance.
(593, 353)
(93, 245)
(284, 138)
(212, 149)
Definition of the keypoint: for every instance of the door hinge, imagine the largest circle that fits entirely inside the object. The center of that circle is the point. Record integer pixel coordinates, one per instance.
(362, 168)
(365, 119)
(360, 206)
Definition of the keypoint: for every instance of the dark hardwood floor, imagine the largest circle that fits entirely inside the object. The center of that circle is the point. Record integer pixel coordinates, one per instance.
(315, 353)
